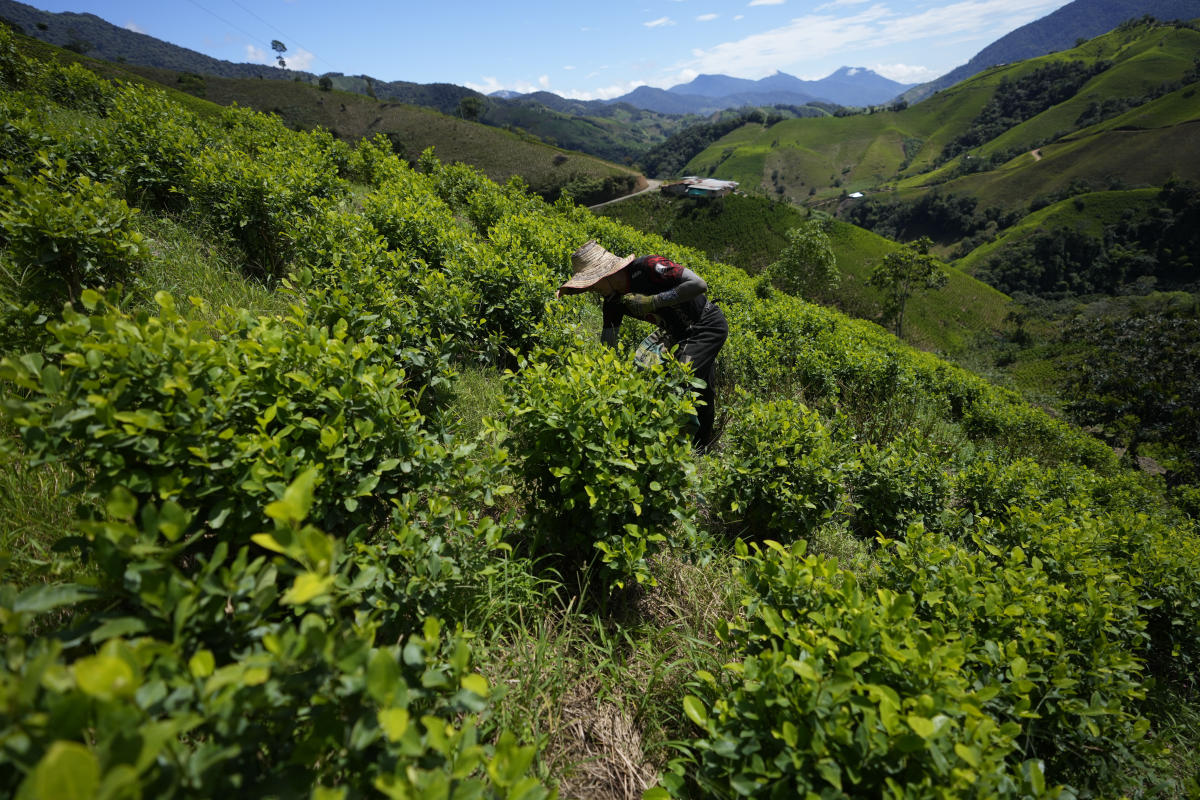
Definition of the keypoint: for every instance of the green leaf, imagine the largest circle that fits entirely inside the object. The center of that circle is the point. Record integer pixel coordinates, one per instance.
(694, 708)
(68, 771)
(831, 772)
(394, 722)
(476, 683)
(46, 596)
(307, 587)
(121, 504)
(121, 626)
(105, 677)
(382, 675)
(967, 754)
(201, 664)
(297, 498)
(922, 726)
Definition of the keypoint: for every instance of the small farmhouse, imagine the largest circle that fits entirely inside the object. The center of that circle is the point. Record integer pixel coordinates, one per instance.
(700, 187)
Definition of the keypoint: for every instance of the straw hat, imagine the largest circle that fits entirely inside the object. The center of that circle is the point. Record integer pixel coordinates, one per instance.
(592, 264)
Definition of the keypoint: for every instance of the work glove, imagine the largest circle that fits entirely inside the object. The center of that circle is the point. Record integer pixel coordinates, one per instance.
(639, 305)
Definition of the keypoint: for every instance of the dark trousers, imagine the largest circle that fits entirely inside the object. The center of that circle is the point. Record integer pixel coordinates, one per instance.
(699, 348)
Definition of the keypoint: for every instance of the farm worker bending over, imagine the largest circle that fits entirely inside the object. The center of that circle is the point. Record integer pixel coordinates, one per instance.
(669, 296)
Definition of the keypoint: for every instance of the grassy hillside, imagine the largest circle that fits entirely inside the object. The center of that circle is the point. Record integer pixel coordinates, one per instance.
(311, 487)
(1144, 73)
(501, 154)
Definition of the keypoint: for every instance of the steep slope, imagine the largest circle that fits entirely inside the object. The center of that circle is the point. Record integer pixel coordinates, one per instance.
(498, 153)
(1059, 30)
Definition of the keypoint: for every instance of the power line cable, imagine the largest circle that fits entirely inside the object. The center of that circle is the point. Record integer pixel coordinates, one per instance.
(281, 33)
(252, 37)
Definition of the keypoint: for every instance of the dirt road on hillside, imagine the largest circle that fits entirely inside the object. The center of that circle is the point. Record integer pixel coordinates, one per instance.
(653, 185)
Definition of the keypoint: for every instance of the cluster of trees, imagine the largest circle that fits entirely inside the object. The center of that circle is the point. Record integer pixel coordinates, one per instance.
(942, 217)
(1024, 98)
(1140, 383)
(1160, 243)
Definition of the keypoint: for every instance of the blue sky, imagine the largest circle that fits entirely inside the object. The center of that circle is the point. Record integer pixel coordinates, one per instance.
(594, 50)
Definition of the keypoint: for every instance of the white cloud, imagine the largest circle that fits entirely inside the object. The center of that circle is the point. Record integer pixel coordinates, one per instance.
(906, 73)
(706, 17)
(767, 2)
(569, 67)
(299, 59)
(816, 36)
(544, 81)
(739, 16)
(133, 26)
(660, 22)
(601, 93)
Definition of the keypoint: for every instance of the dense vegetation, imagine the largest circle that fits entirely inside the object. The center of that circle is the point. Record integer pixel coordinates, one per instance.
(1158, 241)
(288, 562)
(945, 218)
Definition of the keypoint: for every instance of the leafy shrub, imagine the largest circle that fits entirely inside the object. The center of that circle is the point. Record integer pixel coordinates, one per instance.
(779, 473)
(1020, 430)
(66, 232)
(258, 670)
(603, 452)
(838, 692)
(256, 196)
(893, 485)
(222, 425)
(420, 226)
(83, 145)
(16, 71)
(75, 86)
(157, 141)
(1050, 636)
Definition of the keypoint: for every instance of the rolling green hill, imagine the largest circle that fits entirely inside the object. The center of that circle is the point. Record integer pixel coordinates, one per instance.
(499, 153)
(1130, 121)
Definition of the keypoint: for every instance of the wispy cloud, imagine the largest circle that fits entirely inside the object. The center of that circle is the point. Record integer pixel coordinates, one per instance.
(767, 2)
(707, 17)
(840, 4)
(817, 36)
(256, 55)
(133, 26)
(660, 22)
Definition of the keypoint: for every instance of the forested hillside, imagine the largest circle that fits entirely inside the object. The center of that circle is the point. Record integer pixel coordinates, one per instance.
(311, 488)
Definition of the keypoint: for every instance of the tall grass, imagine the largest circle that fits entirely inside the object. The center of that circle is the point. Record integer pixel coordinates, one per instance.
(188, 261)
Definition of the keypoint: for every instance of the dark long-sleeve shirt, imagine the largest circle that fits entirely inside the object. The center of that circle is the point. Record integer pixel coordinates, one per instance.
(679, 292)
